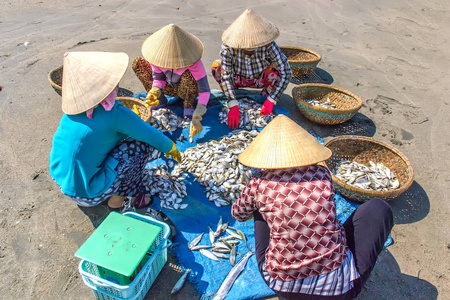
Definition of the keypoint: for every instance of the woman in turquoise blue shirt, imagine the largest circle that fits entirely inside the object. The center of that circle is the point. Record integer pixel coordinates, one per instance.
(100, 148)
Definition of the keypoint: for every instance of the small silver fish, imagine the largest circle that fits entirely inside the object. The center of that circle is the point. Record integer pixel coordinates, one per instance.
(209, 255)
(195, 241)
(233, 256)
(198, 247)
(180, 282)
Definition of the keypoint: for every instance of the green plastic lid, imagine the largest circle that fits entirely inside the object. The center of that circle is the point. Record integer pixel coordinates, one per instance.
(119, 243)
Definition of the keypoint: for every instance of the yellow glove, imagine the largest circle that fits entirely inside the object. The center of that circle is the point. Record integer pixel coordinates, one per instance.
(136, 110)
(250, 219)
(176, 155)
(153, 96)
(196, 126)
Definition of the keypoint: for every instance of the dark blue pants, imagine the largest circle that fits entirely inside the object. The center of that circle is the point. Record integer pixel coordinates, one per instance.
(367, 230)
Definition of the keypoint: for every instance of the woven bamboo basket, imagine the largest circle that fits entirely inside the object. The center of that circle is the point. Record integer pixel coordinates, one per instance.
(55, 79)
(363, 150)
(347, 103)
(301, 60)
(144, 110)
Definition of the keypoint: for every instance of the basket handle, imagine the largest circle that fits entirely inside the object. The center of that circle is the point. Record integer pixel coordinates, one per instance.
(167, 245)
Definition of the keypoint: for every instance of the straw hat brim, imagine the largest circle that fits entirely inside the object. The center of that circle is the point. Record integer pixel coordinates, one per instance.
(283, 144)
(89, 77)
(172, 48)
(250, 30)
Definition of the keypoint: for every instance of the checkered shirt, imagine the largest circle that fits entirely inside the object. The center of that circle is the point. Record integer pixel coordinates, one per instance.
(236, 63)
(298, 205)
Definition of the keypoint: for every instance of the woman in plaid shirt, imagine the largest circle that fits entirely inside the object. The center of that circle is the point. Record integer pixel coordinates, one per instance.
(302, 250)
(251, 58)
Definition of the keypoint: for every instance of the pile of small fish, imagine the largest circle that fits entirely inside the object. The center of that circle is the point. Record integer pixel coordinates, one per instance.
(325, 104)
(221, 247)
(165, 119)
(216, 167)
(251, 118)
(170, 189)
(377, 177)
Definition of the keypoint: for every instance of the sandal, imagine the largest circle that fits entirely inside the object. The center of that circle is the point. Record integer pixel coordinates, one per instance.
(142, 200)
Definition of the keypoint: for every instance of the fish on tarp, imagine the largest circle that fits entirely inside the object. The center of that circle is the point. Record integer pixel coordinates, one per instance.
(180, 282)
(232, 276)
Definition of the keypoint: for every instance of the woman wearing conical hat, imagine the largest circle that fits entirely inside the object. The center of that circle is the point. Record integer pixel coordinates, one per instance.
(301, 249)
(251, 58)
(101, 148)
(172, 65)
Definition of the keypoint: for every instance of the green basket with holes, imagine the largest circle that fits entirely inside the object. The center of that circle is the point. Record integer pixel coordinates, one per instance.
(123, 256)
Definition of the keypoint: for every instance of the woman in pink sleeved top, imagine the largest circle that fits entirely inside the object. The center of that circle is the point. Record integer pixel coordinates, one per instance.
(172, 65)
(301, 249)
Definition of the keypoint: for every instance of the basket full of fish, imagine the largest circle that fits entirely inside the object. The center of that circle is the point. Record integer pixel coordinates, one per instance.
(363, 168)
(325, 104)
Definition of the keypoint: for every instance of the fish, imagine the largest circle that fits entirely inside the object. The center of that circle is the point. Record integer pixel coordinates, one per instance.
(377, 177)
(231, 277)
(199, 247)
(233, 256)
(212, 237)
(216, 167)
(196, 240)
(209, 255)
(165, 120)
(251, 117)
(241, 234)
(180, 282)
(324, 104)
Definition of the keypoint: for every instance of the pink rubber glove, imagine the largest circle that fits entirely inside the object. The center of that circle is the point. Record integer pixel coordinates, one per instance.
(267, 107)
(234, 117)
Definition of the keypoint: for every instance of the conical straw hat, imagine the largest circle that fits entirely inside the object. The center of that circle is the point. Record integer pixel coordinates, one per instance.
(283, 144)
(250, 30)
(88, 77)
(172, 48)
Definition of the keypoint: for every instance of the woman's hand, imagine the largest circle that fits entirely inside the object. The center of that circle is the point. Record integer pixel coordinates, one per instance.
(267, 107)
(196, 125)
(176, 154)
(234, 117)
(153, 96)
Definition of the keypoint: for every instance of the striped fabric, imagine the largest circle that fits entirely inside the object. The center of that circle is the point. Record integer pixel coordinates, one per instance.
(172, 76)
(236, 63)
(334, 283)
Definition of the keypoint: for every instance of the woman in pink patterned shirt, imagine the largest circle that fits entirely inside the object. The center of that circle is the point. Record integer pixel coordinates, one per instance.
(302, 250)
(172, 65)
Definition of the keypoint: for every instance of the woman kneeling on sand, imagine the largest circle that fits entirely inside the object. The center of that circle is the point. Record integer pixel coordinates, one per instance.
(301, 249)
(249, 57)
(101, 148)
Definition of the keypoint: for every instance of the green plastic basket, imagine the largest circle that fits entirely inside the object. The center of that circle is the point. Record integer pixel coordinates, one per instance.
(130, 276)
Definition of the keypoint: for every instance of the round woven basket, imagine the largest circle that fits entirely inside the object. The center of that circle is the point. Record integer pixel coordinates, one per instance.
(55, 79)
(301, 60)
(144, 111)
(347, 103)
(363, 150)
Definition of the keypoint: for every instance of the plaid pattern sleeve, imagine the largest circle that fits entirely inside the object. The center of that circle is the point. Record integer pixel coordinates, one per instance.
(244, 206)
(227, 83)
(281, 64)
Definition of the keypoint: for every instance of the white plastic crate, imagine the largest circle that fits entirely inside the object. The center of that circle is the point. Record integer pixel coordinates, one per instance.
(138, 288)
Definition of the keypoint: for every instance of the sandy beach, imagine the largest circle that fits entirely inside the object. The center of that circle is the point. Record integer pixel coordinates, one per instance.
(393, 54)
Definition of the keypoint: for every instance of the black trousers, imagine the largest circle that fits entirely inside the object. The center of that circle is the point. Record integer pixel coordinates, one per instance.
(367, 230)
